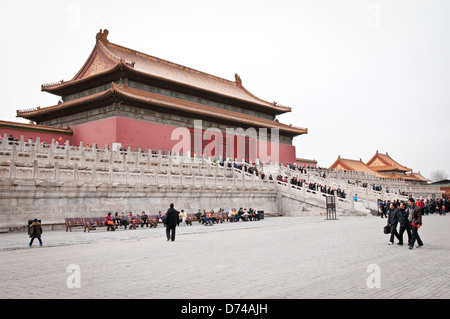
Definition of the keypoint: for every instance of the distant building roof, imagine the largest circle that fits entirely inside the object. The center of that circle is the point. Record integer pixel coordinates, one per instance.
(34, 127)
(418, 176)
(442, 182)
(381, 165)
(383, 162)
(355, 166)
(304, 160)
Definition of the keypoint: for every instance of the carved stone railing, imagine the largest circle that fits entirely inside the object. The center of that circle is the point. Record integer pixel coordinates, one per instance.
(352, 183)
(66, 163)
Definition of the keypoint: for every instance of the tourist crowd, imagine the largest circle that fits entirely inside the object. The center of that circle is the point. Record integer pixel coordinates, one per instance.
(408, 216)
(428, 206)
(324, 189)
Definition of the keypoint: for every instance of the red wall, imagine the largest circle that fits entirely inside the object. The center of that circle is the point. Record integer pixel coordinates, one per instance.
(271, 152)
(145, 135)
(101, 132)
(129, 132)
(287, 154)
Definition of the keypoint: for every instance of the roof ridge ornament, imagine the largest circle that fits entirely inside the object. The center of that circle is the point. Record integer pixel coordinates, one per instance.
(102, 35)
(114, 86)
(238, 79)
(123, 61)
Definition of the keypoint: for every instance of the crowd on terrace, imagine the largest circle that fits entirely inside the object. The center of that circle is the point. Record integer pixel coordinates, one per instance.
(12, 140)
(249, 168)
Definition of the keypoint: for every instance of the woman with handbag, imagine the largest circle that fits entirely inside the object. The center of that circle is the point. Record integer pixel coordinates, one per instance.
(109, 223)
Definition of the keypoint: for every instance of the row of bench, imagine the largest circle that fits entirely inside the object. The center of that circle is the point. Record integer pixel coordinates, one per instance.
(92, 223)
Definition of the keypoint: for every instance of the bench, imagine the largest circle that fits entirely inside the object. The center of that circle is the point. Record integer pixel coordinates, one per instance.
(91, 223)
(153, 221)
(221, 217)
(192, 217)
(88, 223)
(74, 222)
(133, 221)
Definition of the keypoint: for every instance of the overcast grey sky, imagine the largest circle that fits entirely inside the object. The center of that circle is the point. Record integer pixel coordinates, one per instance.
(361, 75)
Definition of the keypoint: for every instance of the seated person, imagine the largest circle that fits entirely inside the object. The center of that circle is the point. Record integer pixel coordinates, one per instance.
(212, 218)
(132, 220)
(237, 216)
(240, 214)
(109, 222)
(124, 221)
(116, 219)
(160, 217)
(144, 219)
(245, 216)
(231, 215)
(206, 218)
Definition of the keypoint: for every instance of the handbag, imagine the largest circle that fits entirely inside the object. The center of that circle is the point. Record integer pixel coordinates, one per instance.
(387, 229)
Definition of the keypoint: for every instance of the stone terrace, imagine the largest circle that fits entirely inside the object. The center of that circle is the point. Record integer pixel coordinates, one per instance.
(52, 182)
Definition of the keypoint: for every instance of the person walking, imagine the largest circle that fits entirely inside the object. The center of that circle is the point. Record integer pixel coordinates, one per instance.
(383, 209)
(35, 232)
(171, 221)
(183, 216)
(404, 223)
(393, 222)
(415, 218)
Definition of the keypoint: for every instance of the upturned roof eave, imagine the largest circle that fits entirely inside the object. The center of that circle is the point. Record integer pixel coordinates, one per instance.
(59, 88)
(39, 114)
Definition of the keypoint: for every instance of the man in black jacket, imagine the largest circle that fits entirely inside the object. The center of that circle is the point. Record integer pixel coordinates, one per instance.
(393, 221)
(35, 232)
(171, 222)
(404, 223)
(415, 218)
(383, 209)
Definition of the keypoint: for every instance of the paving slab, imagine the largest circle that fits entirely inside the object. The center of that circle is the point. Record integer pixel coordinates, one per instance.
(282, 257)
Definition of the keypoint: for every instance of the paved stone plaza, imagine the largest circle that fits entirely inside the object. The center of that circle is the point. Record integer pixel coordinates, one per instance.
(280, 257)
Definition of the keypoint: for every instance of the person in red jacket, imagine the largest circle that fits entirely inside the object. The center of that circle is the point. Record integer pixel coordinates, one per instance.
(109, 222)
